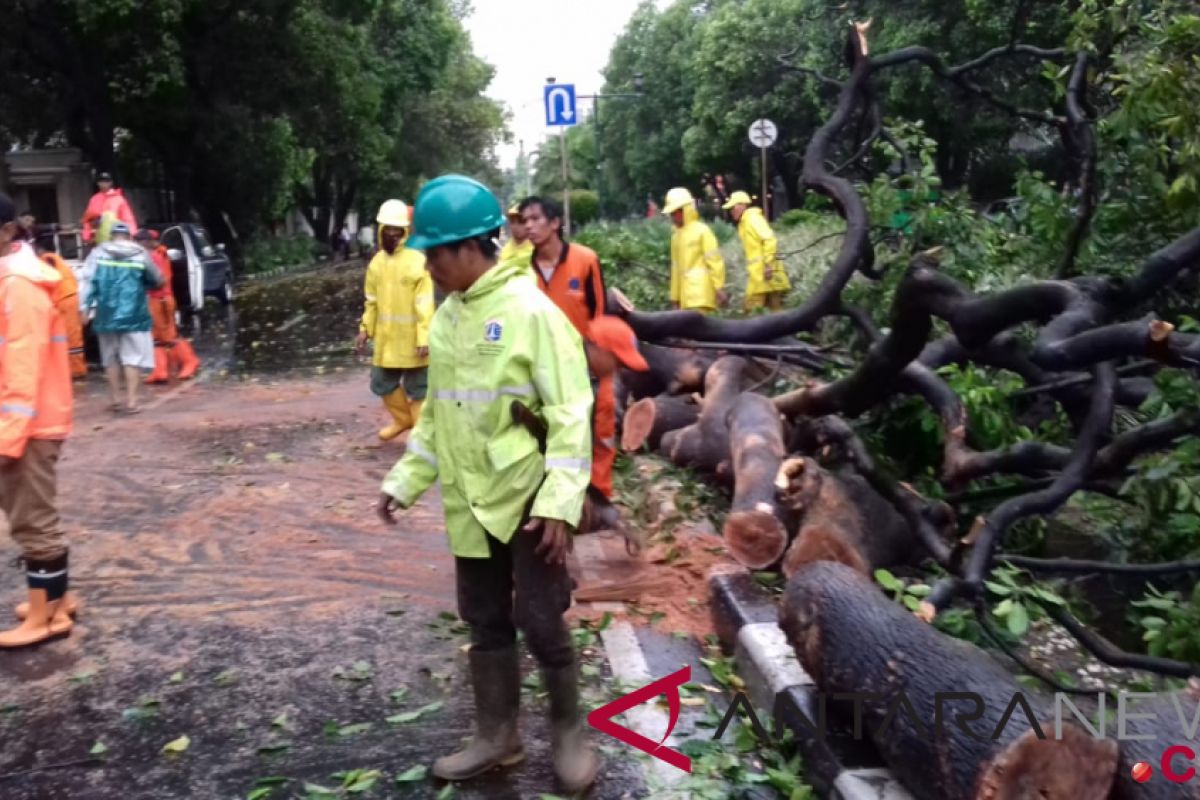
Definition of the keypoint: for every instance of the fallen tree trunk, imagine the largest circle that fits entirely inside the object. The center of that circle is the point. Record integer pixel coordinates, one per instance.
(705, 444)
(1166, 721)
(842, 519)
(756, 528)
(936, 708)
(647, 420)
(672, 371)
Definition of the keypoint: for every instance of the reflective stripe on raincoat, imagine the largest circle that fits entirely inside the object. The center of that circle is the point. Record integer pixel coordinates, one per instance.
(35, 372)
(758, 240)
(398, 308)
(697, 269)
(500, 341)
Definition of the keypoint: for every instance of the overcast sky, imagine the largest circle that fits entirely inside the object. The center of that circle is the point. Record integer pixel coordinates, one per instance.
(528, 41)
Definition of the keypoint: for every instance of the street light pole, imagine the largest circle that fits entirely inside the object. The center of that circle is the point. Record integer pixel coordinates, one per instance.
(637, 94)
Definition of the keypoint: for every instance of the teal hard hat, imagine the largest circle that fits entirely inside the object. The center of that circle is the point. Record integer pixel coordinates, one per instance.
(453, 208)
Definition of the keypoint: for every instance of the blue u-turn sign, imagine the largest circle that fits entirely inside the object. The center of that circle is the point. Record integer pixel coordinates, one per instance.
(560, 104)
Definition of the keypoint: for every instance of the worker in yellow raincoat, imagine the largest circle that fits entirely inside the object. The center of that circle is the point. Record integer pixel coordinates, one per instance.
(697, 268)
(519, 246)
(767, 281)
(398, 309)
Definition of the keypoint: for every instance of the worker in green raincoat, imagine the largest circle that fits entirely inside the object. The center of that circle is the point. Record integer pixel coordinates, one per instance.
(510, 506)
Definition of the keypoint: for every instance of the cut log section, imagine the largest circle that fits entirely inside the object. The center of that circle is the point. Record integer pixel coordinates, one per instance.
(647, 420)
(907, 677)
(756, 529)
(842, 519)
(705, 444)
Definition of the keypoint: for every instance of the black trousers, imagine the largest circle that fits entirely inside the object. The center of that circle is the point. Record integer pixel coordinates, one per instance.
(516, 588)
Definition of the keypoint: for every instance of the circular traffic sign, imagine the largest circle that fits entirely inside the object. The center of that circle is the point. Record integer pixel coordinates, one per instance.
(763, 133)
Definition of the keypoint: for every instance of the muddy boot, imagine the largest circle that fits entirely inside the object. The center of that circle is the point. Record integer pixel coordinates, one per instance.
(69, 607)
(496, 679)
(162, 368)
(47, 581)
(189, 364)
(397, 405)
(575, 762)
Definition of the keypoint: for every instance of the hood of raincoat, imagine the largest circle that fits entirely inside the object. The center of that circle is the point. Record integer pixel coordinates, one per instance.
(121, 250)
(23, 262)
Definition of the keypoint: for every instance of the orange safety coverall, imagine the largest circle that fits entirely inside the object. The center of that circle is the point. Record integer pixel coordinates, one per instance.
(103, 202)
(171, 352)
(162, 302)
(66, 300)
(577, 288)
(35, 373)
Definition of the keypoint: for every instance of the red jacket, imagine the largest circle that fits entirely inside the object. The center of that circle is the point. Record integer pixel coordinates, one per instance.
(102, 202)
(35, 371)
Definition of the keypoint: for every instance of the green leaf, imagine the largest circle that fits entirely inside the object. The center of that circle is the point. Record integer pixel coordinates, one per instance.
(82, 677)
(359, 781)
(1004, 609)
(274, 749)
(447, 792)
(413, 774)
(177, 746)
(1153, 623)
(888, 581)
(280, 722)
(1018, 620)
(920, 590)
(997, 588)
(176, 677)
(226, 678)
(98, 749)
(260, 793)
(399, 695)
(413, 716)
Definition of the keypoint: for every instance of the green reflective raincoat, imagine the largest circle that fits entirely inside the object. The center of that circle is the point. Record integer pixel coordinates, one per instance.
(502, 340)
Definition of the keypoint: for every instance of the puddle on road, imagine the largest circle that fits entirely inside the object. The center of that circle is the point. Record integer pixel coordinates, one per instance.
(307, 322)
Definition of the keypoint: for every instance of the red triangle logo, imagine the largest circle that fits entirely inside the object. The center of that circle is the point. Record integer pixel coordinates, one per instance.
(601, 718)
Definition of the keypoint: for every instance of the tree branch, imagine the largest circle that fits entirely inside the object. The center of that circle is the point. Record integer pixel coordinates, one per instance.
(1068, 566)
(1080, 138)
(1114, 656)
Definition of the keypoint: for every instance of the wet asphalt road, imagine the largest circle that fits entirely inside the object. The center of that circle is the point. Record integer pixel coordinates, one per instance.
(238, 592)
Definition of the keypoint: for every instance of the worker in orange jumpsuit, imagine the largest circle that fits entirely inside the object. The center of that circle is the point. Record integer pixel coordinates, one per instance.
(66, 300)
(570, 274)
(171, 351)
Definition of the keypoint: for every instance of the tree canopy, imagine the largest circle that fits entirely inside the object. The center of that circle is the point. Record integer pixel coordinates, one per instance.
(243, 109)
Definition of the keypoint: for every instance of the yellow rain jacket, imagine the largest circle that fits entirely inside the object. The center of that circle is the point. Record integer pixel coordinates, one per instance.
(399, 307)
(522, 252)
(758, 240)
(697, 269)
(503, 340)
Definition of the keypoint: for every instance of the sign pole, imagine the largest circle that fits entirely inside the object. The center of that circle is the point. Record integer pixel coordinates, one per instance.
(766, 209)
(566, 171)
(763, 134)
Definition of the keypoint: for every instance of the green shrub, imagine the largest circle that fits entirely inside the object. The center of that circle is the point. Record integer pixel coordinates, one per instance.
(263, 255)
(585, 207)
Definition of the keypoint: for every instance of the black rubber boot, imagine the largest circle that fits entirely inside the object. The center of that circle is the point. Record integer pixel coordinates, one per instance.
(496, 679)
(575, 762)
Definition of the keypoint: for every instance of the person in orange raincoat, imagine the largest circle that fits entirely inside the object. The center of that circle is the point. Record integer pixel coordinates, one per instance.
(173, 355)
(109, 202)
(35, 418)
(66, 300)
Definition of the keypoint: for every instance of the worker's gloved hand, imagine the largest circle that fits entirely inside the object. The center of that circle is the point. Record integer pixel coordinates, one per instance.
(360, 343)
(387, 508)
(556, 539)
(722, 298)
(422, 352)
(768, 274)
